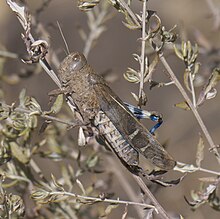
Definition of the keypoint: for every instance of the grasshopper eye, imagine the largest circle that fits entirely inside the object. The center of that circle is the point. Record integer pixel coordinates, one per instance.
(78, 62)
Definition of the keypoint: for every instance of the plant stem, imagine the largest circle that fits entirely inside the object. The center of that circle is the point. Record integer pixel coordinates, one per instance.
(198, 169)
(143, 46)
(163, 214)
(113, 201)
(125, 184)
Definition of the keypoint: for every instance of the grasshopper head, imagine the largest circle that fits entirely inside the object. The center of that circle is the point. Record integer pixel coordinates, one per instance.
(73, 63)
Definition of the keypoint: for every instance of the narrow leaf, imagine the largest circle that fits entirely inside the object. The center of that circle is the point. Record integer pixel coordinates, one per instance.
(124, 216)
(20, 153)
(186, 79)
(182, 105)
(135, 96)
(109, 209)
(200, 151)
(81, 186)
(177, 52)
(131, 75)
(57, 105)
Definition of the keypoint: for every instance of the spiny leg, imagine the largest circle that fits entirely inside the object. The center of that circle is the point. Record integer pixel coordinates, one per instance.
(144, 114)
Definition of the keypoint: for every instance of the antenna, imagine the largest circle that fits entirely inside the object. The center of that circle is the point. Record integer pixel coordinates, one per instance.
(64, 40)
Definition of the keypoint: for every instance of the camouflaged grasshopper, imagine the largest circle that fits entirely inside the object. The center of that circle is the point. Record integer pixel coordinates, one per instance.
(87, 93)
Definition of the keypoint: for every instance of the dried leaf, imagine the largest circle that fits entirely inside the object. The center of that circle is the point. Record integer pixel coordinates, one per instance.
(131, 26)
(193, 55)
(51, 155)
(188, 53)
(41, 196)
(57, 105)
(67, 172)
(11, 79)
(37, 50)
(151, 68)
(208, 91)
(137, 58)
(16, 204)
(196, 68)
(184, 50)
(109, 209)
(135, 96)
(132, 76)
(81, 186)
(178, 52)
(201, 197)
(32, 104)
(20, 153)
(5, 153)
(86, 5)
(208, 179)
(182, 105)
(58, 186)
(20, 12)
(92, 160)
(206, 195)
(154, 24)
(211, 94)
(149, 214)
(169, 183)
(22, 98)
(124, 216)
(200, 151)
(81, 137)
(185, 168)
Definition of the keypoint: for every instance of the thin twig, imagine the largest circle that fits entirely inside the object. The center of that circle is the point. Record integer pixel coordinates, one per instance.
(6, 54)
(162, 212)
(93, 31)
(143, 46)
(113, 201)
(208, 171)
(192, 89)
(37, 170)
(198, 169)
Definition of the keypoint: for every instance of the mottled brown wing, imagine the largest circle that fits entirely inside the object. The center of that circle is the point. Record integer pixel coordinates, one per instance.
(131, 129)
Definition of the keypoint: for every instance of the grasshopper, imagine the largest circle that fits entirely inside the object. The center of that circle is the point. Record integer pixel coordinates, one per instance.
(99, 107)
